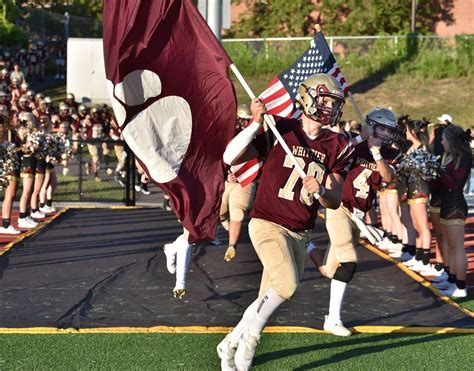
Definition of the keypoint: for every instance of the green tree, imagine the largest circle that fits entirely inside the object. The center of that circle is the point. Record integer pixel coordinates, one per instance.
(275, 18)
(371, 17)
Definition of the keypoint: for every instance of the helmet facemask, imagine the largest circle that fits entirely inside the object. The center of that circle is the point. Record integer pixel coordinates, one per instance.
(319, 110)
(386, 134)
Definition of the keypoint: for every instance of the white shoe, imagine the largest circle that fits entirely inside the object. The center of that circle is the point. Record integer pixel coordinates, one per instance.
(226, 352)
(410, 262)
(395, 247)
(48, 209)
(395, 253)
(109, 171)
(26, 223)
(384, 244)
(430, 271)
(419, 267)
(441, 278)
(445, 285)
(455, 292)
(336, 328)
(65, 171)
(138, 188)
(38, 215)
(246, 350)
(9, 230)
(170, 253)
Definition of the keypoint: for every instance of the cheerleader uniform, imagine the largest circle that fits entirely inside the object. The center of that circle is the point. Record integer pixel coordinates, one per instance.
(454, 207)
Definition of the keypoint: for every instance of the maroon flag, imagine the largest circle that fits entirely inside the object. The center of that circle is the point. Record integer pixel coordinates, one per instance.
(170, 89)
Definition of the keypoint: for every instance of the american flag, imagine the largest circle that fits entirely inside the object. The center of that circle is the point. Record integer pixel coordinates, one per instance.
(280, 94)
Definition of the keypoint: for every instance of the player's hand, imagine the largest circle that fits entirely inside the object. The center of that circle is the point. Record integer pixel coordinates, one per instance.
(311, 184)
(258, 110)
(374, 142)
(231, 178)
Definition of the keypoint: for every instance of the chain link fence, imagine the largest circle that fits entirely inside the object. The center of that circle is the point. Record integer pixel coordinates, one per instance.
(92, 176)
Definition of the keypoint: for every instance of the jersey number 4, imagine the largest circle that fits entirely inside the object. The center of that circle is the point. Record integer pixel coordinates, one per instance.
(360, 183)
(314, 169)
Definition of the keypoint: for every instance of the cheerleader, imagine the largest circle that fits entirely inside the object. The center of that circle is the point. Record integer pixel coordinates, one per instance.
(25, 125)
(10, 160)
(417, 198)
(456, 165)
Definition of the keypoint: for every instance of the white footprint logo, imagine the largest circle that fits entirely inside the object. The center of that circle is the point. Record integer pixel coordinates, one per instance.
(160, 134)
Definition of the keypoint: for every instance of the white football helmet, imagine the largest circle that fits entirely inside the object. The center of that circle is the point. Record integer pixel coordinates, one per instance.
(383, 125)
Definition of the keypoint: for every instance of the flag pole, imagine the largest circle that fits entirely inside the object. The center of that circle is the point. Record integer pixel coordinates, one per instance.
(317, 28)
(356, 107)
(270, 121)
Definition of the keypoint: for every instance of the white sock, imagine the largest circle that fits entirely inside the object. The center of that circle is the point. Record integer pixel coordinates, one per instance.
(183, 259)
(245, 322)
(266, 307)
(338, 289)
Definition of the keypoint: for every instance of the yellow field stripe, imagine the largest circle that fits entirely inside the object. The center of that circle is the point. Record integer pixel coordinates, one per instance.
(410, 273)
(32, 231)
(416, 277)
(224, 330)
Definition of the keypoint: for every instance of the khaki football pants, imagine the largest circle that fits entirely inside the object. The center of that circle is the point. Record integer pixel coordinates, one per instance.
(236, 201)
(282, 254)
(344, 236)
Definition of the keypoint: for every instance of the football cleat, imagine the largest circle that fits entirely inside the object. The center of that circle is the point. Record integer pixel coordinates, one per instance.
(170, 252)
(455, 292)
(226, 352)
(230, 253)
(9, 230)
(336, 328)
(179, 293)
(246, 350)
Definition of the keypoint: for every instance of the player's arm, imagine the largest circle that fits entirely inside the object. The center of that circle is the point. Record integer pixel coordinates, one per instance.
(240, 149)
(386, 171)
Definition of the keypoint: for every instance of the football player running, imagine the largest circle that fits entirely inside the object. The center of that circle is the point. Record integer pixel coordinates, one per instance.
(285, 207)
(372, 163)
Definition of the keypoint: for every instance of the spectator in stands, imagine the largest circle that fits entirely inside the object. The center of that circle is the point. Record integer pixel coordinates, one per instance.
(17, 74)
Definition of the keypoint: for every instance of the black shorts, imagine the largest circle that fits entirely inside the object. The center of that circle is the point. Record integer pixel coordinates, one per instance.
(28, 165)
(40, 166)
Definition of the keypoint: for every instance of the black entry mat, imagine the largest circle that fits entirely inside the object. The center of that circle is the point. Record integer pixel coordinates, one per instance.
(106, 267)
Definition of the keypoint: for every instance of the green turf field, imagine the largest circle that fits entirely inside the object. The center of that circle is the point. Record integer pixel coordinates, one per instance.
(276, 352)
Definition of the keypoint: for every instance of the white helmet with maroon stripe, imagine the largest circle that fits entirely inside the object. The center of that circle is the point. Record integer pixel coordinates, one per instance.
(312, 98)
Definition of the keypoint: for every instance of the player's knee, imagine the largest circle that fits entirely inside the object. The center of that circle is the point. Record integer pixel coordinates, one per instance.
(345, 272)
(286, 290)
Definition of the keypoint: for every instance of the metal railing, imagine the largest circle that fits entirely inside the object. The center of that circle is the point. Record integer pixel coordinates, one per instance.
(79, 183)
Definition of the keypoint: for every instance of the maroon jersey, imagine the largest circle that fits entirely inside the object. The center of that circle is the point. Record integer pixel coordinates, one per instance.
(363, 179)
(281, 197)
